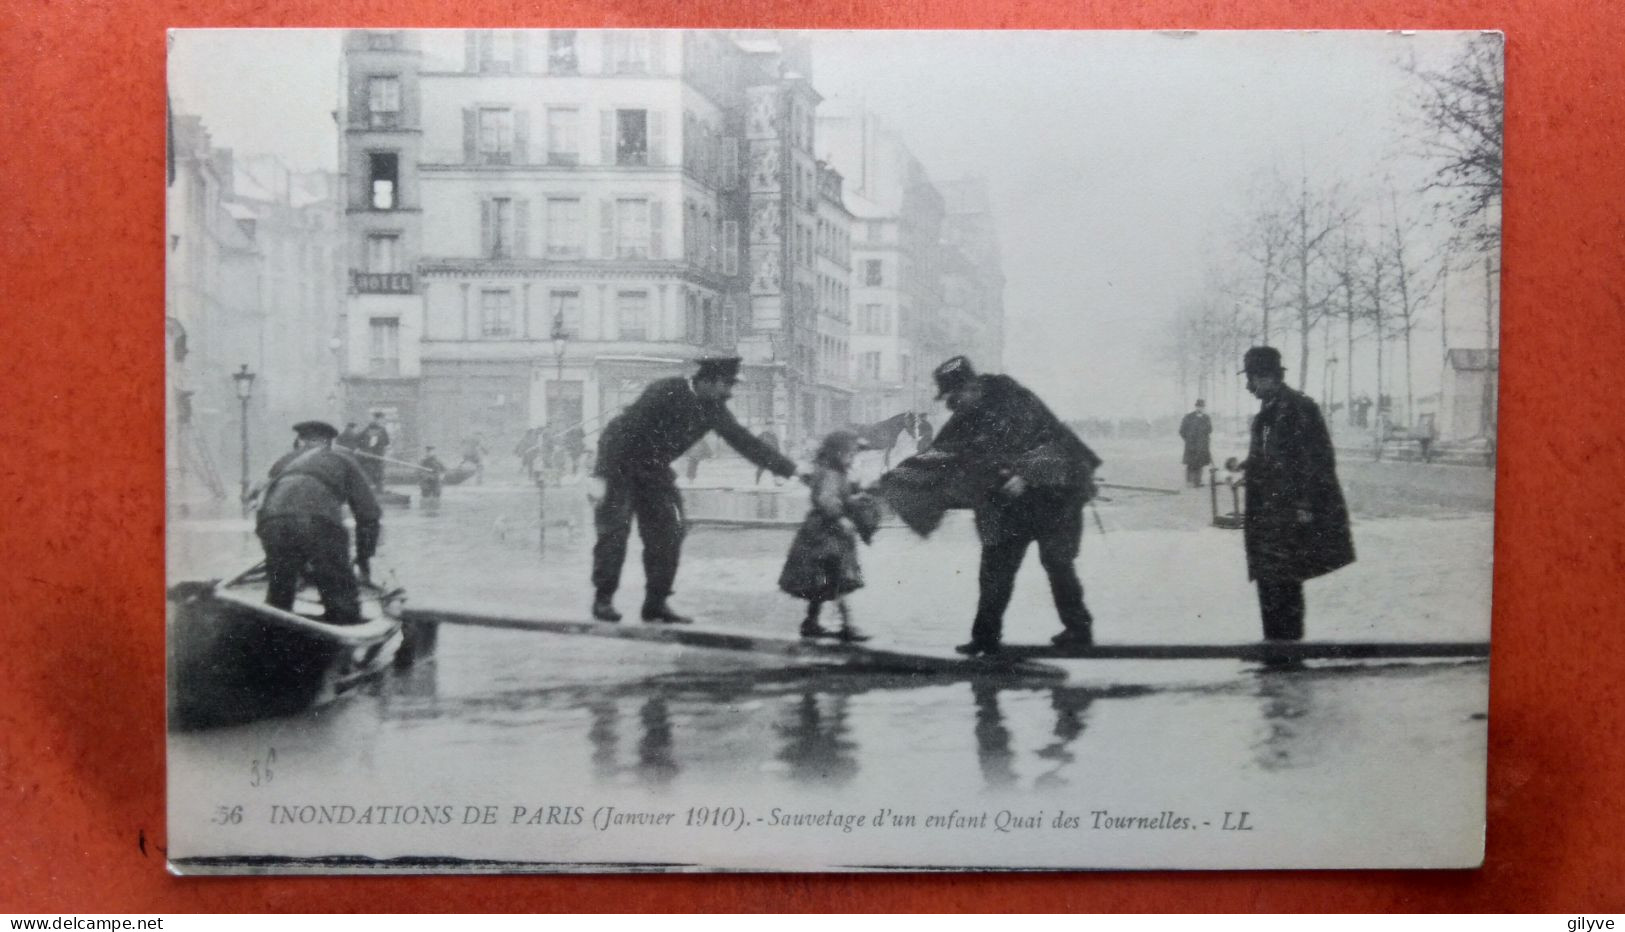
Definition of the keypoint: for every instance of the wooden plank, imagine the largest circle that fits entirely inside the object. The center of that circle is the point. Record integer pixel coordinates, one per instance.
(855, 656)
(1279, 650)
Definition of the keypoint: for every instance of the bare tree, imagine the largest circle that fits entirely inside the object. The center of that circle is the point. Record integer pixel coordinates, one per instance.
(1263, 245)
(1460, 112)
(1311, 219)
(1346, 258)
(1412, 287)
(1377, 285)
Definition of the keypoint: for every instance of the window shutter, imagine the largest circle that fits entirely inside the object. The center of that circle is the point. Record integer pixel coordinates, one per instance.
(485, 49)
(606, 137)
(730, 163)
(657, 230)
(360, 101)
(471, 50)
(657, 51)
(730, 247)
(657, 138)
(521, 227)
(485, 228)
(470, 134)
(606, 229)
(521, 39)
(521, 137)
(613, 44)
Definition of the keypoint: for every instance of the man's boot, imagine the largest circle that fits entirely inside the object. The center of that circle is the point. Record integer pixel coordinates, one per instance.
(661, 613)
(603, 608)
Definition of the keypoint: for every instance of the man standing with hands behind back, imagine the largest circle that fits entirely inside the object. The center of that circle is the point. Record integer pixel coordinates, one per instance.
(1297, 525)
(635, 454)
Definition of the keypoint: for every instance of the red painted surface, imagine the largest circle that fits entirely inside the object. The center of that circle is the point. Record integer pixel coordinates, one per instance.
(81, 470)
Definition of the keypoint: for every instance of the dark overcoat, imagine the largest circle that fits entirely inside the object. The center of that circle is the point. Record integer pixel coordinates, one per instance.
(1008, 433)
(1291, 472)
(667, 419)
(1195, 430)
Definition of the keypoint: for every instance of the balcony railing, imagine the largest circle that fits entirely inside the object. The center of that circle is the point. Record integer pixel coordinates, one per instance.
(381, 282)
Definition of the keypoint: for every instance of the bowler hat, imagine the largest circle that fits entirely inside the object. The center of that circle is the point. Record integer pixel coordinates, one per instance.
(1262, 360)
(952, 374)
(719, 368)
(320, 429)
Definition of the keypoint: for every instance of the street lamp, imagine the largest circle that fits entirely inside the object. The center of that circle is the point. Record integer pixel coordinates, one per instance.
(243, 381)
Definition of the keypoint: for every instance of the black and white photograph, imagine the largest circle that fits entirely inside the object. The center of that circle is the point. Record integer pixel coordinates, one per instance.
(625, 450)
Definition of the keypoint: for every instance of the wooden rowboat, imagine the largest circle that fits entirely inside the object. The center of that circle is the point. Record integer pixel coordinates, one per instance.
(234, 659)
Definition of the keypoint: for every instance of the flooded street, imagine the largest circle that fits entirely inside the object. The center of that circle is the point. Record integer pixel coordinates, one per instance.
(502, 727)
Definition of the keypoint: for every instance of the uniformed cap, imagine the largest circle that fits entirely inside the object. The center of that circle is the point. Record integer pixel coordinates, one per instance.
(719, 369)
(952, 374)
(320, 429)
(1200, 403)
(1262, 360)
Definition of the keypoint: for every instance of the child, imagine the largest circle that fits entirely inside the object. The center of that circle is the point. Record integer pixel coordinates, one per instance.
(823, 561)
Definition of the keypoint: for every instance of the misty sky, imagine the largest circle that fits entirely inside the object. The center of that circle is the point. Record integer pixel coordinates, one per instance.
(1118, 162)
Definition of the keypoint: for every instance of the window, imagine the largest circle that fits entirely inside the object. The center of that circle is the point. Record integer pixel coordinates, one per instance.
(565, 232)
(383, 102)
(730, 247)
(632, 307)
(730, 163)
(383, 41)
(561, 52)
(383, 252)
(871, 272)
(631, 137)
(693, 325)
(497, 228)
(496, 135)
(384, 170)
(563, 136)
(496, 50)
(630, 51)
(385, 345)
(872, 319)
(869, 365)
(496, 313)
(632, 229)
(565, 307)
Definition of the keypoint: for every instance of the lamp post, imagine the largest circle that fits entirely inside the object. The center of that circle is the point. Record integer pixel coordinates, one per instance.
(551, 432)
(1331, 379)
(243, 382)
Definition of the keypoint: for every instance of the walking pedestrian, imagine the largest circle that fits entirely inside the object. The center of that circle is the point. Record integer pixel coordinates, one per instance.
(429, 481)
(1297, 525)
(1195, 430)
(635, 453)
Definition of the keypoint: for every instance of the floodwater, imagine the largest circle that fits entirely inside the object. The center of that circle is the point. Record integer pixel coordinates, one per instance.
(1352, 764)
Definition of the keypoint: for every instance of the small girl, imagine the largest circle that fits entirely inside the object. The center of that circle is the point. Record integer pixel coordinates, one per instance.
(823, 562)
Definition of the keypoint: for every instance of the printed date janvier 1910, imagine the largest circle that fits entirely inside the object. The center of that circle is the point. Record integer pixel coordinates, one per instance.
(736, 818)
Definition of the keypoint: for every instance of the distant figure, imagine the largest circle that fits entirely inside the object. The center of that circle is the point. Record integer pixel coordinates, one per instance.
(823, 562)
(474, 452)
(1427, 432)
(696, 453)
(301, 524)
(429, 481)
(924, 433)
(575, 446)
(635, 453)
(771, 441)
(1297, 525)
(1195, 430)
(527, 449)
(350, 437)
(374, 444)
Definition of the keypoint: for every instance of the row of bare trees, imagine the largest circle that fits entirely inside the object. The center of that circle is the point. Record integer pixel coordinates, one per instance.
(1312, 263)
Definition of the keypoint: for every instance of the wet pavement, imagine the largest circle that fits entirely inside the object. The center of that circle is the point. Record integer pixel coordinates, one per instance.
(521, 718)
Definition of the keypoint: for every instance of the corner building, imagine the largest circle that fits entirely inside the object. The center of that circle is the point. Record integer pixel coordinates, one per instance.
(541, 222)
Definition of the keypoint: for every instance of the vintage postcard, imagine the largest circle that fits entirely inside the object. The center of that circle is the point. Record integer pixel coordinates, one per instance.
(738, 450)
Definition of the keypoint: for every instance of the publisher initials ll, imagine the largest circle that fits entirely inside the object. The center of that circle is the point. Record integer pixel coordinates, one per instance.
(1236, 821)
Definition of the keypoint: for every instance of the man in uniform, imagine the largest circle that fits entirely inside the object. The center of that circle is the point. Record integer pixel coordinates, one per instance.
(1030, 477)
(301, 523)
(635, 453)
(1195, 430)
(1297, 526)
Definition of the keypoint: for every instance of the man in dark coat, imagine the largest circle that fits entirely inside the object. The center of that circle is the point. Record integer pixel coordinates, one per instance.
(350, 438)
(429, 480)
(301, 524)
(1027, 476)
(924, 433)
(1297, 525)
(635, 453)
(374, 443)
(1195, 430)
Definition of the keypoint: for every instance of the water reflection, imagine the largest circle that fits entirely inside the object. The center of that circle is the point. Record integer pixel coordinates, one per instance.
(657, 759)
(992, 738)
(1285, 703)
(816, 746)
(1070, 705)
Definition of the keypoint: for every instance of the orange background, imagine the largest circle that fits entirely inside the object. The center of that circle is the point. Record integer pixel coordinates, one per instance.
(81, 522)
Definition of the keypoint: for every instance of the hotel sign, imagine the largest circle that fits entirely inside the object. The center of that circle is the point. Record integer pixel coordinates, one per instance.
(381, 282)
